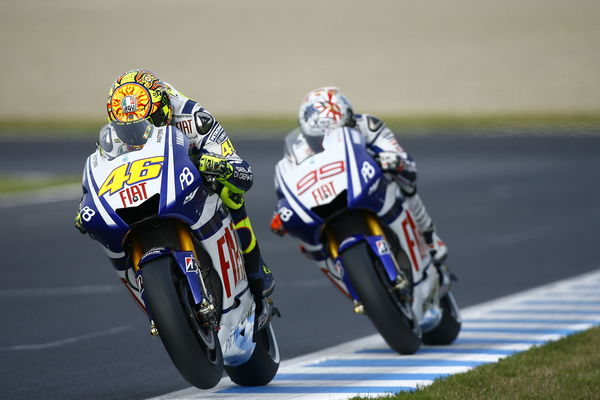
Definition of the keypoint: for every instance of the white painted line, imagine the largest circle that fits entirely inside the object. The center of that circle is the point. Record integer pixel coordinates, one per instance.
(66, 341)
(491, 331)
(41, 196)
(60, 291)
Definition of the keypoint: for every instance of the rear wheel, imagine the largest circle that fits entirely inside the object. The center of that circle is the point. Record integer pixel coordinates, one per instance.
(392, 316)
(264, 363)
(193, 348)
(449, 327)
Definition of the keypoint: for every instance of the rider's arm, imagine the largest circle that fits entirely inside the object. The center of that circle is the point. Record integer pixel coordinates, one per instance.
(210, 145)
(219, 147)
(382, 143)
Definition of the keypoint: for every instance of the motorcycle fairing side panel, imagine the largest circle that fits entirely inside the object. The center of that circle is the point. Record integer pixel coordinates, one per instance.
(320, 178)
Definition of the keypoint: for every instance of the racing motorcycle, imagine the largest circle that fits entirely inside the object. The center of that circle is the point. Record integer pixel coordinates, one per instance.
(173, 243)
(349, 215)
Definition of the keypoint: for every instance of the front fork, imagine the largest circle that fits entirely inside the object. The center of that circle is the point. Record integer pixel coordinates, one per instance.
(401, 285)
(187, 260)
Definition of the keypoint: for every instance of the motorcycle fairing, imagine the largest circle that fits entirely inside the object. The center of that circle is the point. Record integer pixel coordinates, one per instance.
(176, 195)
(364, 177)
(362, 182)
(185, 196)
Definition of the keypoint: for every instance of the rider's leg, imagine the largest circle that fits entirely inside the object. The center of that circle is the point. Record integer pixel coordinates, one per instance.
(437, 248)
(260, 278)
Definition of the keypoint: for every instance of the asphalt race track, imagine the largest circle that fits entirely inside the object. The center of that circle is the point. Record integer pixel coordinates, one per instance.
(516, 212)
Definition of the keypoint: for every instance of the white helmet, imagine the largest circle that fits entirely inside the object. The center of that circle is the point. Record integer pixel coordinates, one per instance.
(323, 109)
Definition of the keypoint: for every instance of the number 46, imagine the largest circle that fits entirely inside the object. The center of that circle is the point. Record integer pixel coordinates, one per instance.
(132, 173)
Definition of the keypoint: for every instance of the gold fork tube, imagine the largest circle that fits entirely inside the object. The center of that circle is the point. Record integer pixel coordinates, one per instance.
(136, 253)
(332, 244)
(374, 226)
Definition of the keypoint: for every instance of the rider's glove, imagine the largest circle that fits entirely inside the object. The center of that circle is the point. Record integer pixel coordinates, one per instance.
(390, 161)
(79, 223)
(215, 165)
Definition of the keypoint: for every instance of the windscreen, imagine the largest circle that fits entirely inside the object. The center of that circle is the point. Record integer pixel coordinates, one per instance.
(134, 134)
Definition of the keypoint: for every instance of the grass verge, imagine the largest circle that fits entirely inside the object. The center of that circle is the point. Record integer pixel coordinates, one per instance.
(565, 369)
(17, 184)
(270, 126)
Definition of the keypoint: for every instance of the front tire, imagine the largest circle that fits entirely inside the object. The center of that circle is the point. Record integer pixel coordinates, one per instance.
(393, 318)
(195, 350)
(264, 363)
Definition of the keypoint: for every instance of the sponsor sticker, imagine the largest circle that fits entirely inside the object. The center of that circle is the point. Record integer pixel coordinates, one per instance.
(129, 104)
(140, 283)
(179, 138)
(190, 264)
(218, 136)
(382, 247)
(336, 270)
(189, 197)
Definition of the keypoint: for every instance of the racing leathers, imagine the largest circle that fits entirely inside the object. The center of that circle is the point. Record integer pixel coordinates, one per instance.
(209, 146)
(384, 148)
(212, 151)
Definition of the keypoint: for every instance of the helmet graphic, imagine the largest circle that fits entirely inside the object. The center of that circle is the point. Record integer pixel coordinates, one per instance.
(323, 109)
(136, 95)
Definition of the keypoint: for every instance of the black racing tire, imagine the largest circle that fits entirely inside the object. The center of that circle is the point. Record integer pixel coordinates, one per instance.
(195, 351)
(449, 327)
(394, 320)
(261, 368)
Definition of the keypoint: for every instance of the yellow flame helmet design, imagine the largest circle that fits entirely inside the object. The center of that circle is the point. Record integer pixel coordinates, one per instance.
(136, 95)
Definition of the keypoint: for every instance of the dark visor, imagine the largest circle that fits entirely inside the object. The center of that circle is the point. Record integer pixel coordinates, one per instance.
(133, 133)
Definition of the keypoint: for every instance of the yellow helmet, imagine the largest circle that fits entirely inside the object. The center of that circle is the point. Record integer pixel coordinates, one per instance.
(137, 95)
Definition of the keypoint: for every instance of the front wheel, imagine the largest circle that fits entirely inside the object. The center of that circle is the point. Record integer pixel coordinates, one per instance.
(194, 349)
(393, 317)
(264, 363)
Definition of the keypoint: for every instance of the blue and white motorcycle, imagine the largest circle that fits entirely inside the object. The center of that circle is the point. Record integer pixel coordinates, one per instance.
(174, 245)
(351, 220)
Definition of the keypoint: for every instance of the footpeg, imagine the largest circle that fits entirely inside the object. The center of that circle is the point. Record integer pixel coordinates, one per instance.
(402, 288)
(153, 329)
(358, 308)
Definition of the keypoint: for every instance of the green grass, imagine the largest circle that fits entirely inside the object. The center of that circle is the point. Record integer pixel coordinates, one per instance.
(278, 125)
(566, 369)
(16, 184)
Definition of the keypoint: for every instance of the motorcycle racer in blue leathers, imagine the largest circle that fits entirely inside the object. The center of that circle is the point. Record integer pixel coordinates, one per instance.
(140, 94)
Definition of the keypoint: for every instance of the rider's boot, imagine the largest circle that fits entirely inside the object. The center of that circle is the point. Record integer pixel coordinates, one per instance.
(262, 286)
(437, 248)
(260, 278)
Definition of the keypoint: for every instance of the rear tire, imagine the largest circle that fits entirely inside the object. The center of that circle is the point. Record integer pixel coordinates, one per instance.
(262, 366)
(393, 319)
(195, 350)
(449, 327)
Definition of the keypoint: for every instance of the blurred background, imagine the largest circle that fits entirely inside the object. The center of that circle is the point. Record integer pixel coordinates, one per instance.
(259, 58)
(498, 102)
